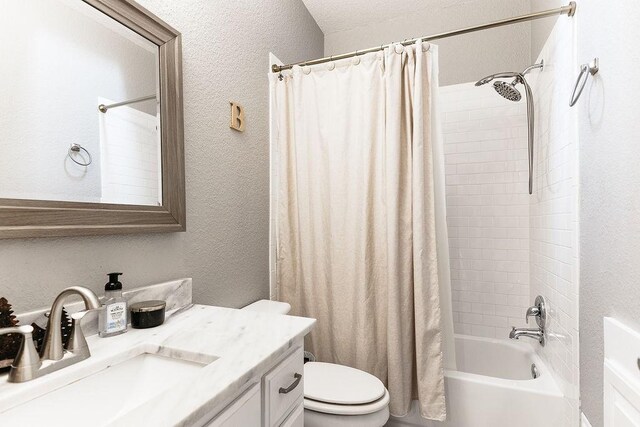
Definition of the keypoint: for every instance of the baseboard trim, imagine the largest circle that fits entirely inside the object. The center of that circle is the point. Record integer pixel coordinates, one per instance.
(584, 422)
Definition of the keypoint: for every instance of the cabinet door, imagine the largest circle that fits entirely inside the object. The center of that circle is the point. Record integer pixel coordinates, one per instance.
(245, 411)
(296, 418)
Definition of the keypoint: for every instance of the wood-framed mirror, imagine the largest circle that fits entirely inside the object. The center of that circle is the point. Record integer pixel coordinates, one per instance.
(91, 127)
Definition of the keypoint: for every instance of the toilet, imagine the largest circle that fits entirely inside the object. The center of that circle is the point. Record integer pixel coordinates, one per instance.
(337, 395)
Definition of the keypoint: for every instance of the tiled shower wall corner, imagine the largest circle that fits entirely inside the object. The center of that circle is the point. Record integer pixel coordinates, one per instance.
(554, 211)
(506, 247)
(485, 142)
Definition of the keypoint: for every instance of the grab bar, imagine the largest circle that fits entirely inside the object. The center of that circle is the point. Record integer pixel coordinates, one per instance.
(585, 70)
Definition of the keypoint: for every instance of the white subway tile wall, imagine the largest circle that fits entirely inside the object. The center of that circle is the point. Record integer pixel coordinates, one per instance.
(554, 210)
(485, 143)
(508, 247)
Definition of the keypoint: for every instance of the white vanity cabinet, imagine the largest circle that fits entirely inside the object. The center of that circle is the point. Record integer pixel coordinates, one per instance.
(275, 401)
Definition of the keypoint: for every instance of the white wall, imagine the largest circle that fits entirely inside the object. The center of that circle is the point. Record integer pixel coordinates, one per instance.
(609, 128)
(541, 28)
(462, 59)
(61, 61)
(554, 210)
(487, 208)
(225, 248)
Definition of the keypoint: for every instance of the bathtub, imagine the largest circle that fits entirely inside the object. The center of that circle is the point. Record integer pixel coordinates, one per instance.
(493, 387)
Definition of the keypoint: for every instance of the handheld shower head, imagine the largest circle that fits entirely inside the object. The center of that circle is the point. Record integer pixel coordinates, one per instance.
(509, 92)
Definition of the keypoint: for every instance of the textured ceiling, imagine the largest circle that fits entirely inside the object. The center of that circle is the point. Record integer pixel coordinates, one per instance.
(339, 15)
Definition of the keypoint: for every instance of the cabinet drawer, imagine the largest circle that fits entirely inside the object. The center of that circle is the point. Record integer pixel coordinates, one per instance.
(242, 412)
(296, 418)
(284, 387)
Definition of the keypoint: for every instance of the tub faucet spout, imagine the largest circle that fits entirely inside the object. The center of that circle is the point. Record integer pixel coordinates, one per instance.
(537, 334)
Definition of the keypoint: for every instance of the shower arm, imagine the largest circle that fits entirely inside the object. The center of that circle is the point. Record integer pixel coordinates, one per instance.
(510, 74)
(505, 75)
(491, 77)
(539, 65)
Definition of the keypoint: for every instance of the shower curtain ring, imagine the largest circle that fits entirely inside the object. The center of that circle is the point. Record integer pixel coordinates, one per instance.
(356, 60)
(332, 65)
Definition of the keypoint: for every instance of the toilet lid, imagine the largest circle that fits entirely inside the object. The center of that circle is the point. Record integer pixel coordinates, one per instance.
(342, 385)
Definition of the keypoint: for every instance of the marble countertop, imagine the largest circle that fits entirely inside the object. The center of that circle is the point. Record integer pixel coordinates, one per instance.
(245, 343)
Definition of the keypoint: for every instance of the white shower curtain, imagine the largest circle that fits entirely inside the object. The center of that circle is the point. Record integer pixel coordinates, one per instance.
(360, 222)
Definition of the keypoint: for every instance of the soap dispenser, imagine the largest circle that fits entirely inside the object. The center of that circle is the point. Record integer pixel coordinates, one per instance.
(112, 318)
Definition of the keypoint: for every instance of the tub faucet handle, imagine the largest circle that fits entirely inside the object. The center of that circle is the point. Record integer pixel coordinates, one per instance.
(539, 311)
(532, 311)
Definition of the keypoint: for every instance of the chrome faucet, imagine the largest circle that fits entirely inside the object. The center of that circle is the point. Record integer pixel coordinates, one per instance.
(532, 311)
(539, 311)
(28, 365)
(535, 333)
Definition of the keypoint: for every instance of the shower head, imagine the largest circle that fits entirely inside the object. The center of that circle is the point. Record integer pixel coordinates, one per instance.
(508, 90)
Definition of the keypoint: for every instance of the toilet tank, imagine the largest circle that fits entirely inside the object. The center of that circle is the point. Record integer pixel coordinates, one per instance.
(267, 306)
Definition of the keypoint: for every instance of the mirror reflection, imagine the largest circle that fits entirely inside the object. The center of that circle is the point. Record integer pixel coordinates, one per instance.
(79, 117)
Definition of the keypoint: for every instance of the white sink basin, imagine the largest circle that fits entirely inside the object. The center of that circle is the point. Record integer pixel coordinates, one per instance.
(110, 392)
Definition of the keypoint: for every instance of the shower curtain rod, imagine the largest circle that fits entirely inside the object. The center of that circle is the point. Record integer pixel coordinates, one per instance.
(103, 108)
(569, 10)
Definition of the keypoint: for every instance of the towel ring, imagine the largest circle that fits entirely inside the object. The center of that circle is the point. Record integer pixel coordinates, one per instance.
(75, 149)
(585, 70)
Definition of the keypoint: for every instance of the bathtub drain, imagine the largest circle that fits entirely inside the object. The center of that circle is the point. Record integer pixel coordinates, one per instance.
(534, 371)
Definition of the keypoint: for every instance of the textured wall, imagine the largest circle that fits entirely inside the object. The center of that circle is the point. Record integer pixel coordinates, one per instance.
(554, 211)
(609, 180)
(487, 209)
(463, 58)
(225, 249)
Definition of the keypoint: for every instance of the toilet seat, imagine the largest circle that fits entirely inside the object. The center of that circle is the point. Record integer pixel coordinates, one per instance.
(362, 409)
(341, 390)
